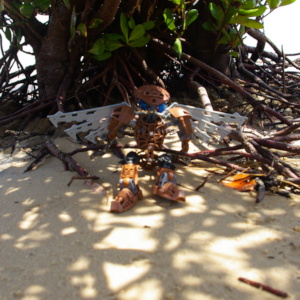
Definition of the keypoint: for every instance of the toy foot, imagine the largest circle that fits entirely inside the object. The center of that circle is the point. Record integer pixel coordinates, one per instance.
(169, 191)
(124, 201)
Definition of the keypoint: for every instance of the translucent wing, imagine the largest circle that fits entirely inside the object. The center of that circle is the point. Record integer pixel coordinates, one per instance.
(203, 121)
(94, 120)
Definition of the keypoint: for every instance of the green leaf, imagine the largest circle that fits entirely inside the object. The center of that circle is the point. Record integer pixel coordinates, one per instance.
(137, 32)
(233, 53)
(67, 3)
(95, 23)
(249, 4)
(141, 42)
(105, 55)
(273, 3)
(192, 15)
(114, 36)
(210, 26)
(286, 2)
(98, 47)
(148, 25)
(82, 28)
(169, 20)
(176, 2)
(1, 6)
(8, 34)
(27, 10)
(18, 35)
(216, 11)
(42, 4)
(178, 47)
(246, 22)
(73, 23)
(255, 12)
(13, 24)
(112, 45)
(124, 26)
(131, 23)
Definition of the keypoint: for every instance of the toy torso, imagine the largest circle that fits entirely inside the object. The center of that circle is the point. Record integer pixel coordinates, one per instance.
(146, 132)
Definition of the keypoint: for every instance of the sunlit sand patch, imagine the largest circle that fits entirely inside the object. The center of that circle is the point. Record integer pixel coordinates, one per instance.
(6, 237)
(11, 190)
(81, 264)
(126, 274)
(65, 217)
(69, 230)
(29, 220)
(129, 238)
(147, 290)
(86, 285)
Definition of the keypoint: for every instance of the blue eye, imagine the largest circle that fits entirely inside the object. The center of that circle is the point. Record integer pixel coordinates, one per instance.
(162, 107)
(143, 105)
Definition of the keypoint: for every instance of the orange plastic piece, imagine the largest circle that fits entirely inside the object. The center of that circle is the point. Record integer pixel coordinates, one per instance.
(152, 94)
(184, 117)
(240, 182)
(169, 191)
(126, 199)
(148, 160)
(185, 144)
(120, 115)
(146, 133)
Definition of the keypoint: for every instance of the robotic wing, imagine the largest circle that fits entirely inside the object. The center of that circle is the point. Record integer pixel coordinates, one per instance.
(95, 119)
(204, 119)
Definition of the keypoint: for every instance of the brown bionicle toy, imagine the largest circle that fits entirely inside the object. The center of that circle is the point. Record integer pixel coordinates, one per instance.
(149, 123)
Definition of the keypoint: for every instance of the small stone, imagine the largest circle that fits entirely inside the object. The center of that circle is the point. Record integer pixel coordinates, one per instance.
(297, 228)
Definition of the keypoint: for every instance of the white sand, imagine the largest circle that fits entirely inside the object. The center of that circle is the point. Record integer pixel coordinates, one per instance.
(59, 242)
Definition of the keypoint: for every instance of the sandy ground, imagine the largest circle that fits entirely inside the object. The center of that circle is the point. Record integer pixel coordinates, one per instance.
(59, 242)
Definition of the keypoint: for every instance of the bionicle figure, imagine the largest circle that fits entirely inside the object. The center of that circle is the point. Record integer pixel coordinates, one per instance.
(150, 121)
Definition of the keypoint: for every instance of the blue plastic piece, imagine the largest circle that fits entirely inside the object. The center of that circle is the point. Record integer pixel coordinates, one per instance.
(162, 107)
(143, 105)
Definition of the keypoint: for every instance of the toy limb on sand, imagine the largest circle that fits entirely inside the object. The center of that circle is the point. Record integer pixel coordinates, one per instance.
(150, 122)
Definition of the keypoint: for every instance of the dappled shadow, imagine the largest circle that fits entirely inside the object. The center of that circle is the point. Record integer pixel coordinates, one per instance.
(62, 243)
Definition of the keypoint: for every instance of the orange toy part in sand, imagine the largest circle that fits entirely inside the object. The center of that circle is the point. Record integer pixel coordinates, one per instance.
(240, 182)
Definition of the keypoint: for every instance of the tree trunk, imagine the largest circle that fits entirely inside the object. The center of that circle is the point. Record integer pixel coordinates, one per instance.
(53, 55)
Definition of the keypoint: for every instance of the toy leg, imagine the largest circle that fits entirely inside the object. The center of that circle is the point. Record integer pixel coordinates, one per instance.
(130, 192)
(166, 183)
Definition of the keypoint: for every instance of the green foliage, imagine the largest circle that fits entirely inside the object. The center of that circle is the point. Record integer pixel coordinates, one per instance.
(131, 23)
(27, 10)
(148, 25)
(67, 3)
(104, 56)
(178, 47)
(95, 23)
(98, 47)
(186, 18)
(137, 37)
(82, 28)
(227, 15)
(124, 26)
(169, 19)
(286, 2)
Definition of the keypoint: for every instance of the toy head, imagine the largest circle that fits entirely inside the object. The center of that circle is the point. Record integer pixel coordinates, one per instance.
(153, 95)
